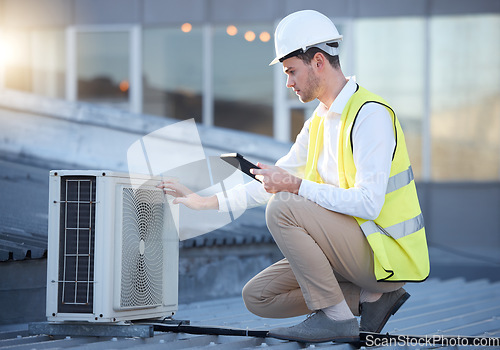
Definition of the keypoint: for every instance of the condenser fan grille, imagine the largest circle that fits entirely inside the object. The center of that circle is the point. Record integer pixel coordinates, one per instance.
(142, 248)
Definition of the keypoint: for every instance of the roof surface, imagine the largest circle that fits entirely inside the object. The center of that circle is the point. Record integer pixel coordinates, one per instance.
(23, 211)
(437, 307)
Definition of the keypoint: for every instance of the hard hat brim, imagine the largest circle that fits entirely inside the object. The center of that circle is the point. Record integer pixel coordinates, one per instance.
(322, 45)
(276, 60)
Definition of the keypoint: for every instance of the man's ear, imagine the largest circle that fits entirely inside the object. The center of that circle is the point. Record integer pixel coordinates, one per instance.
(318, 61)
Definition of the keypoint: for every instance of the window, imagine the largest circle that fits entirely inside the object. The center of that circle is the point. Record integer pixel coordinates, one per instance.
(172, 72)
(103, 71)
(389, 61)
(243, 80)
(34, 61)
(465, 97)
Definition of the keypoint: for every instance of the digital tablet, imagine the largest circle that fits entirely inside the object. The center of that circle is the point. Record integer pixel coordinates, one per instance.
(238, 161)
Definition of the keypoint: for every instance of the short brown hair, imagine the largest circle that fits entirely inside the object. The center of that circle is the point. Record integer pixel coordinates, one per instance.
(309, 55)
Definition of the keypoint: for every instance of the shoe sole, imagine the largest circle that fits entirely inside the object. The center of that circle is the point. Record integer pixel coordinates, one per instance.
(302, 340)
(397, 305)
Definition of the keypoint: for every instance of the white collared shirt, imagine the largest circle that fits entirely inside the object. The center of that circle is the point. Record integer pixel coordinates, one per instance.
(373, 146)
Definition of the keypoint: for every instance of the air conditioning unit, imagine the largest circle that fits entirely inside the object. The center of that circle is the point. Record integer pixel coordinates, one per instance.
(113, 248)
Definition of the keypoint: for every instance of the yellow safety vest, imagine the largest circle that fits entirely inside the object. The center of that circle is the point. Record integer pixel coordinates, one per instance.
(397, 235)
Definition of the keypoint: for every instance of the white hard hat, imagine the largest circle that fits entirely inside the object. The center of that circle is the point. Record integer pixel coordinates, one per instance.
(302, 30)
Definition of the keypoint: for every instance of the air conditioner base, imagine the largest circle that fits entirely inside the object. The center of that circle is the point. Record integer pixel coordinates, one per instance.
(87, 329)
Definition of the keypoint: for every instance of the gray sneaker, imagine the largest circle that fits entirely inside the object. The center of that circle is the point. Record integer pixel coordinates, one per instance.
(375, 315)
(319, 328)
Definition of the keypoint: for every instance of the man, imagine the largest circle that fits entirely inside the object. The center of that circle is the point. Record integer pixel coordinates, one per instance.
(342, 204)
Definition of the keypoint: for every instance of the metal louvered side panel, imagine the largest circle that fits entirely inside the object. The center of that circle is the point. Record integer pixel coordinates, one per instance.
(77, 243)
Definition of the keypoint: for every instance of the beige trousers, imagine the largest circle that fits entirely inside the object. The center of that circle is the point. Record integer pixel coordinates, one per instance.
(327, 260)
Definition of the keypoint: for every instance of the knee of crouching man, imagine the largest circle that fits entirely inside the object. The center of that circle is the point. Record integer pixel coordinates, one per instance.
(279, 205)
(250, 298)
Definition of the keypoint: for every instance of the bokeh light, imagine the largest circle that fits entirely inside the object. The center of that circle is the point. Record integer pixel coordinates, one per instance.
(265, 37)
(186, 27)
(249, 36)
(124, 86)
(231, 30)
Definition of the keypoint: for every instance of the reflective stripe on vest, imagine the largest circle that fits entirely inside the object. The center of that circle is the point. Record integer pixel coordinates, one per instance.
(397, 231)
(400, 180)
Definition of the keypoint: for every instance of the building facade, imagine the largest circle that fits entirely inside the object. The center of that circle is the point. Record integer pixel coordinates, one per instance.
(436, 61)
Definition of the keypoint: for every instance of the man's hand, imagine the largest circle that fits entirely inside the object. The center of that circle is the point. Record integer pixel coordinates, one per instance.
(276, 179)
(184, 195)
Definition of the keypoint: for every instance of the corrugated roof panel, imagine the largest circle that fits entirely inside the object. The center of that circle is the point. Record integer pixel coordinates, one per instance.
(451, 307)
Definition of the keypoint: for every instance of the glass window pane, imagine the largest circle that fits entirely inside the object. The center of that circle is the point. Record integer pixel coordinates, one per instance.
(465, 97)
(172, 72)
(49, 63)
(389, 61)
(35, 61)
(17, 60)
(103, 68)
(243, 80)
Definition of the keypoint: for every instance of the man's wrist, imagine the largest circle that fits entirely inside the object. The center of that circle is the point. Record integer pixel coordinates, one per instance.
(296, 185)
(211, 202)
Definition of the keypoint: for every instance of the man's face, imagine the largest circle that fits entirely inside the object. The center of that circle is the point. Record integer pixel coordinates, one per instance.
(301, 78)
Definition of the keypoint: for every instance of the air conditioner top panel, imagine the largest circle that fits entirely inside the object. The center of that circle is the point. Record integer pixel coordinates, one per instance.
(103, 173)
